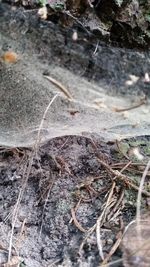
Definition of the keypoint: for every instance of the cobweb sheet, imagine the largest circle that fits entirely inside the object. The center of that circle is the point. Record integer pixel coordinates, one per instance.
(25, 95)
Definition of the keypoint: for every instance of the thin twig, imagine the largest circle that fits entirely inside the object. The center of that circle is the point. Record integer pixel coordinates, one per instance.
(77, 224)
(117, 204)
(99, 221)
(126, 166)
(16, 209)
(134, 164)
(76, 208)
(122, 177)
(113, 249)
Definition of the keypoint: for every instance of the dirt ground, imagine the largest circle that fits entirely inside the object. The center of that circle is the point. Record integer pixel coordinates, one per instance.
(66, 180)
(58, 197)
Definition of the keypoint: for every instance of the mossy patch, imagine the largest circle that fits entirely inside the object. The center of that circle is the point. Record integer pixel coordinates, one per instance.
(142, 143)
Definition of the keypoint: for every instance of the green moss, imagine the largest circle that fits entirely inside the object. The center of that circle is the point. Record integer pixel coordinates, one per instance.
(143, 145)
(131, 199)
(42, 2)
(147, 17)
(135, 143)
(146, 150)
(124, 147)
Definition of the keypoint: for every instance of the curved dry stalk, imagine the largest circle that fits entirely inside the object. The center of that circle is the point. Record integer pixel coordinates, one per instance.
(99, 222)
(26, 174)
(60, 86)
(113, 249)
(139, 197)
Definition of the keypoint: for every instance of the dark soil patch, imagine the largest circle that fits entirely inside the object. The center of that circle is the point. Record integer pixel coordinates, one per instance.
(64, 171)
(121, 23)
(109, 67)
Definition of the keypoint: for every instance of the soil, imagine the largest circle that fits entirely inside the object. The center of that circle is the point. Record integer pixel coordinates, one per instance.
(64, 170)
(62, 182)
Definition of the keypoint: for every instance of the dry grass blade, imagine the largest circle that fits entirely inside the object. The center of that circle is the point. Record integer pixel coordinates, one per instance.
(99, 221)
(60, 86)
(26, 174)
(113, 249)
(43, 119)
(116, 207)
(137, 168)
(16, 209)
(142, 102)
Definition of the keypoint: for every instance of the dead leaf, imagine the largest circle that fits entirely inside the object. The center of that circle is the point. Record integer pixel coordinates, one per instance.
(10, 57)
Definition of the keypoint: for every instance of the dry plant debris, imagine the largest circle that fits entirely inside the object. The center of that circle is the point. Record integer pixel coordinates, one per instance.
(26, 174)
(10, 57)
(59, 86)
(86, 192)
(110, 211)
(142, 102)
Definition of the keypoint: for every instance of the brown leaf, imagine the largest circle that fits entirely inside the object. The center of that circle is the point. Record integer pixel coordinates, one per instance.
(10, 57)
